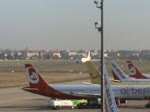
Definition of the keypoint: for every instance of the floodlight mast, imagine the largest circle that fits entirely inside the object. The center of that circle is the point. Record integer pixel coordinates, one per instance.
(100, 27)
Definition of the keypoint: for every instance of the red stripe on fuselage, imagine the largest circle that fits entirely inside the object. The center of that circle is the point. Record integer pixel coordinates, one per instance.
(51, 92)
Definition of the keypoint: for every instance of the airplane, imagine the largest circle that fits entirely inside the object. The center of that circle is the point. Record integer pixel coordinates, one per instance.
(121, 76)
(90, 92)
(135, 72)
(83, 60)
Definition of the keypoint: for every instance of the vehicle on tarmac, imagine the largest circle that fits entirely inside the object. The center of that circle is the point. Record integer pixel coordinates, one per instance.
(57, 104)
(79, 102)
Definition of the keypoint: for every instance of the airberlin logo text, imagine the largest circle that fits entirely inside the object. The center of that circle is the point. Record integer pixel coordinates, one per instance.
(131, 90)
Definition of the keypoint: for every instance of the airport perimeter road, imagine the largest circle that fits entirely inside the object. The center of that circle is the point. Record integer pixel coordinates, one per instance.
(17, 100)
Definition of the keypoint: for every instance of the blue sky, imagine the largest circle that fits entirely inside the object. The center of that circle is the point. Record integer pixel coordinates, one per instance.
(69, 24)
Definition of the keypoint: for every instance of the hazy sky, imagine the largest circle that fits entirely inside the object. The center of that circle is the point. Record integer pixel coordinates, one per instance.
(69, 24)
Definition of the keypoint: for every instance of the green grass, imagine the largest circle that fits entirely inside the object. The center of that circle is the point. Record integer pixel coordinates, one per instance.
(65, 66)
(13, 72)
(52, 66)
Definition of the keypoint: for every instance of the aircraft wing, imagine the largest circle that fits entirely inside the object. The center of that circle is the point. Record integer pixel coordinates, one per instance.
(91, 95)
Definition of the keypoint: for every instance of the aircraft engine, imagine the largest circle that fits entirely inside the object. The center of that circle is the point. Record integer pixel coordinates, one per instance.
(120, 101)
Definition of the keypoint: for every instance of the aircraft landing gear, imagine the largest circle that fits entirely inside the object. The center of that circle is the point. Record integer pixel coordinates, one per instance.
(148, 105)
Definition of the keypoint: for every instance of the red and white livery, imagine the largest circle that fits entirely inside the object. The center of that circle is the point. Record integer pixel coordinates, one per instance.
(135, 72)
(121, 76)
(122, 93)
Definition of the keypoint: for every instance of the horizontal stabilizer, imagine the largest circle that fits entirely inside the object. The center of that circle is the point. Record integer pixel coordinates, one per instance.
(29, 89)
(89, 83)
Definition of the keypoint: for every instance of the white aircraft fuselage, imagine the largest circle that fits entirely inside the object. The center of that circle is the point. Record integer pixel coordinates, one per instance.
(120, 91)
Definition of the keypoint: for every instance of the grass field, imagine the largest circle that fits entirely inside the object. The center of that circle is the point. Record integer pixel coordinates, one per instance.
(13, 73)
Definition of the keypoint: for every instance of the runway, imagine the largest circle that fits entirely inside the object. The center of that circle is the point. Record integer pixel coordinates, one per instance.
(17, 100)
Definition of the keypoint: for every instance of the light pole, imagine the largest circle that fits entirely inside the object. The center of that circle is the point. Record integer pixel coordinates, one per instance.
(99, 26)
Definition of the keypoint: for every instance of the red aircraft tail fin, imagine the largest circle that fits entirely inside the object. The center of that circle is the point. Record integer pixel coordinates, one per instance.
(134, 72)
(35, 80)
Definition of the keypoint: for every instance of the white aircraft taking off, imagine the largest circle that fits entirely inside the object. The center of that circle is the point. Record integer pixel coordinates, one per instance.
(120, 75)
(135, 72)
(83, 60)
